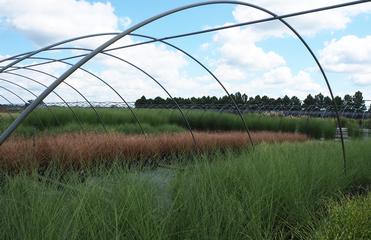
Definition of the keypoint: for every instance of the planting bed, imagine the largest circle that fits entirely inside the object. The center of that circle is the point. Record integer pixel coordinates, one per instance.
(77, 149)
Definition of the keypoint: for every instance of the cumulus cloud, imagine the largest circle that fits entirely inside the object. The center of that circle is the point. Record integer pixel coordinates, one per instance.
(251, 69)
(238, 47)
(54, 20)
(283, 81)
(243, 59)
(309, 24)
(240, 59)
(229, 72)
(241, 62)
(57, 20)
(350, 55)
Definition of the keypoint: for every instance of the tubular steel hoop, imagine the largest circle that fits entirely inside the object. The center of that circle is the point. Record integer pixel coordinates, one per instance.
(208, 30)
(20, 98)
(138, 68)
(172, 46)
(67, 73)
(69, 85)
(30, 92)
(90, 73)
(35, 81)
(212, 74)
(141, 70)
(7, 100)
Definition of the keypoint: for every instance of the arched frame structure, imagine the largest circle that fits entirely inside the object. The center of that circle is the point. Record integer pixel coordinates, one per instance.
(108, 43)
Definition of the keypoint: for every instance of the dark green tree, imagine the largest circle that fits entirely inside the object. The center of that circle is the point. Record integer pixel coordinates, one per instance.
(348, 103)
(244, 98)
(328, 103)
(339, 103)
(308, 102)
(295, 103)
(319, 101)
(286, 103)
(358, 102)
(140, 102)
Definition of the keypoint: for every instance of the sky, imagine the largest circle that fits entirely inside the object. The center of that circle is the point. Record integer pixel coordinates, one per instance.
(262, 59)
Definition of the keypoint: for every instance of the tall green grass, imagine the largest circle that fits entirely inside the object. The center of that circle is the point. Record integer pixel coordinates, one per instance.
(275, 192)
(42, 119)
(279, 193)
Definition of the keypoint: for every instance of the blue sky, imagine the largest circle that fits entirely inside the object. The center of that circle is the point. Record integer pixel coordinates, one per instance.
(265, 59)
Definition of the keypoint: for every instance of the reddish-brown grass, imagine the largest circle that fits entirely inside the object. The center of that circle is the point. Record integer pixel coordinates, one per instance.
(76, 149)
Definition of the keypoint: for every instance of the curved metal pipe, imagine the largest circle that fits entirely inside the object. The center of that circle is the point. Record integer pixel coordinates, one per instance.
(24, 56)
(92, 74)
(191, 57)
(148, 75)
(35, 81)
(207, 30)
(10, 115)
(33, 94)
(158, 83)
(210, 73)
(69, 85)
(188, 55)
(19, 97)
(67, 73)
(327, 84)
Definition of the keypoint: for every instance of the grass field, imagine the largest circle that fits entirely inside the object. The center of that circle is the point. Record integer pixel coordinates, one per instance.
(121, 120)
(278, 191)
(61, 181)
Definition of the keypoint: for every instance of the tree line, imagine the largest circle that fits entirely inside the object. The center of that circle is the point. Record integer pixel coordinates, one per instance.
(349, 103)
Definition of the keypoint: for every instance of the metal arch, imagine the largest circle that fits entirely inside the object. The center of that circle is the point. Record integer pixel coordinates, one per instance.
(72, 87)
(29, 54)
(35, 81)
(327, 83)
(196, 32)
(144, 72)
(10, 115)
(90, 73)
(184, 52)
(157, 82)
(67, 73)
(19, 97)
(33, 94)
(211, 73)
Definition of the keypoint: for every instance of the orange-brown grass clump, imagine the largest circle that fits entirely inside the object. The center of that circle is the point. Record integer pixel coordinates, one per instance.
(76, 150)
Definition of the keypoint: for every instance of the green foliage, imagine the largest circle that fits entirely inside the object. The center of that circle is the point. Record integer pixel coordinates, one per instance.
(117, 206)
(275, 192)
(167, 120)
(350, 103)
(156, 120)
(349, 219)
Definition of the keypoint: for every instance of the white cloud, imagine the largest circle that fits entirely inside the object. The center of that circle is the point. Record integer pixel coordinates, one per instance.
(125, 21)
(166, 65)
(238, 47)
(241, 63)
(309, 24)
(282, 81)
(227, 72)
(2, 58)
(350, 55)
(58, 20)
(55, 20)
(243, 59)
